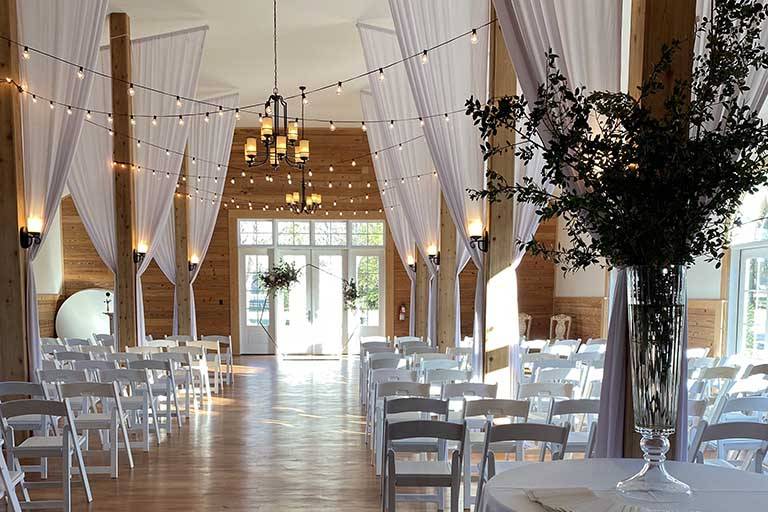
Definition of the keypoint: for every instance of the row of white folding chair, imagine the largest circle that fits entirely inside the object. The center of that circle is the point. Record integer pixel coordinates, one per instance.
(367, 349)
(198, 351)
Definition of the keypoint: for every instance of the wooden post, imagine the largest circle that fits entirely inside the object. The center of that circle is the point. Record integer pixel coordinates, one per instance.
(180, 202)
(446, 282)
(392, 260)
(13, 347)
(122, 108)
(421, 306)
(655, 23)
(500, 274)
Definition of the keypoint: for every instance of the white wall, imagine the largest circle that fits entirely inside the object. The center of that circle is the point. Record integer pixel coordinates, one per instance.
(584, 283)
(703, 280)
(49, 264)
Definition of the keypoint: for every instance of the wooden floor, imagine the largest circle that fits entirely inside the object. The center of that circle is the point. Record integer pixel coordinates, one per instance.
(287, 436)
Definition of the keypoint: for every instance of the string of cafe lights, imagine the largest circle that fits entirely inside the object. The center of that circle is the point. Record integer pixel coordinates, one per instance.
(180, 100)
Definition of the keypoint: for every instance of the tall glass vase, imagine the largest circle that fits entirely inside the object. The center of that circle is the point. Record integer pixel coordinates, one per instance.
(657, 301)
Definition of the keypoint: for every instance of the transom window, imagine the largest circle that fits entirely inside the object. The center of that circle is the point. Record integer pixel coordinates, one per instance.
(331, 233)
(291, 232)
(256, 232)
(334, 233)
(368, 234)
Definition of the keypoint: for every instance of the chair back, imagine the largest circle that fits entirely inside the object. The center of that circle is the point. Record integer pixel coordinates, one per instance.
(72, 356)
(695, 352)
(758, 369)
(391, 374)
(545, 389)
(61, 376)
(732, 430)
(559, 326)
(105, 340)
(413, 350)
(534, 344)
(19, 388)
(176, 358)
(696, 409)
(436, 364)
(415, 404)
(92, 367)
(165, 343)
(376, 356)
(180, 338)
(497, 408)
(595, 348)
(588, 358)
(524, 325)
(207, 345)
(124, 357)
(441, 376)
(407, 339)
(376, 364)
(222, 339)
(402, 389)
(125, 377)
(431, 356)
(145, 350)
(469, 389)
(150, 364)
(88, 389)
(424, 429)
(16, 408)
(77, 342)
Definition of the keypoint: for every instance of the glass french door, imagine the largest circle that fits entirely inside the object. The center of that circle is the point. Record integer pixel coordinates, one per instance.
(367, 269)
(309, 316)
(256, 313)
(752, 300)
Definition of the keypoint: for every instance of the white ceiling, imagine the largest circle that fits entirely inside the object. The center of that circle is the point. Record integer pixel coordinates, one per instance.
(317, 44)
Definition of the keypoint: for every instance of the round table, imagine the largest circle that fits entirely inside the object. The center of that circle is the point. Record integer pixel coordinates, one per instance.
(713, 488)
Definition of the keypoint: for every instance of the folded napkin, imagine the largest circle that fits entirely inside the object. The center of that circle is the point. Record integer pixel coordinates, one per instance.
(577, 499)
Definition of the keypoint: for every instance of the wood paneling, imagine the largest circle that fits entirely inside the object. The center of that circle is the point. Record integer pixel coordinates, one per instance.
(587, 315)
(47, 304)
(467, 284)
(706, 324)
(13, 349)
(180, 225)
(401, 296)
(422, 296)
(536, 283)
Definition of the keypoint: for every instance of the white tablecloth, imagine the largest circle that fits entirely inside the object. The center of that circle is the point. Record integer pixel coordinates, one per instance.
(714, 489)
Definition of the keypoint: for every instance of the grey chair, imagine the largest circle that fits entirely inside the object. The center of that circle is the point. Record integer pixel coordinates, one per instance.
(737, 430)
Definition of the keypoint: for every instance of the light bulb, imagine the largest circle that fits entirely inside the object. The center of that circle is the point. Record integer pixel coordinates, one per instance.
(88, 114)
(26, 53)
(221, 111)
(34, 98)
(473, 37)
(354, 163)
(133, 121)
(349, 185)
(338, 89)
(109, 118)
(400, 147)
(154, 120)
(69, 111)
(381, 74)
(330, 168)
(376, 155)
(167, 152)
(131, 90)
(178, 102)
(80, 73)
(138, 143)
(447, 119)
(237, 113)
(363, 127)
(51, 105)
(181, 120)
(392, 124)
(304, 99)
(368, 185)
(421, 121)
(332, 127)
(424, 57)
(207, 118)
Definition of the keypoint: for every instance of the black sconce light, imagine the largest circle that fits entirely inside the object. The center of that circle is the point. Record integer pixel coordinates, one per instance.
(434, 255)
(194, 261)
(27, 237)
(139, 253)
(478, 236)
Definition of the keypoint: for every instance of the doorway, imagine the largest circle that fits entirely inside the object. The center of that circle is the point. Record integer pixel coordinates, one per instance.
(311, 318)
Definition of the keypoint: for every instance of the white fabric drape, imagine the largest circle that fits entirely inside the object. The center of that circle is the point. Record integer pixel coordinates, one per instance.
(419, 198)
(587, 38)
(451, 75)
(397, 222)
(211, 144)
(168, 62)
(50, 136)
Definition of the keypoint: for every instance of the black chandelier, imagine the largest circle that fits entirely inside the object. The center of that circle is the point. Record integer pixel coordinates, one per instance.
(282, 140)
(303, 201)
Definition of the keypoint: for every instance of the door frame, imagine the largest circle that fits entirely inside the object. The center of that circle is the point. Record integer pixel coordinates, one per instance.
(738, 253)
(244, 251)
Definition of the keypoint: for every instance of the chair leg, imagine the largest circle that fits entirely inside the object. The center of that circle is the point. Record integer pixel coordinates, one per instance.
(391, 489)
(157, 426)
(66, 474)
(113, 463)
(467, 463)
(126, 440)
(81, 466)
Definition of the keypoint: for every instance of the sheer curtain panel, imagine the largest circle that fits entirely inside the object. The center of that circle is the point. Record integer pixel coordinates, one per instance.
(443, 83)
(71, 31)
(410, 161)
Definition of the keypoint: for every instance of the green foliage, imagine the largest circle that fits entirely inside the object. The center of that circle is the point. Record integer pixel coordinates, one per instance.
(350, 295)
(636, 186)
(280, 277)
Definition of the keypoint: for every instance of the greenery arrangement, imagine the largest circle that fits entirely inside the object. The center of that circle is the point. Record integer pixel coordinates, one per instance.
(350, 294)
(650, 179)
(280, 277)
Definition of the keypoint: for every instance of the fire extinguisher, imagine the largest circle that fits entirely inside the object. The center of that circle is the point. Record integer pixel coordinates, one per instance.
(402, 312)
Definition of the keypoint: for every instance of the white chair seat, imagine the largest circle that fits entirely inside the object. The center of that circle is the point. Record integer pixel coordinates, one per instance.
(94, 420)
(577, 441)
(422, 468)
(26, 422)
(42, 444)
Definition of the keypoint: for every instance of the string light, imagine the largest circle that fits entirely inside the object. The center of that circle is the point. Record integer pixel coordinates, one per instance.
(473, 37)
(178, 102)
(363, 127)
(80, 73)
(421, 121)
(154, 120)
(181, 120)
(447, 119)
(34, 98)
(69, 111)
(207, 117)
(338, 89)
(131, 90)
(221, 111)
(330, 168)
(354, 163)
(392, 124)
(51, 105)
(88, 114)
(26, 53)
(424, 57)
(381, 74)
(133, 121)
(109, 118)
(237, 114)
(332, 127)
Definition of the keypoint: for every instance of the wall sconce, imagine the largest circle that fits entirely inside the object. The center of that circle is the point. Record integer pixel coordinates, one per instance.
(194, 261)
(478, 236)
(411, 263)
(434, 255)
(31, 233)
(139, 253)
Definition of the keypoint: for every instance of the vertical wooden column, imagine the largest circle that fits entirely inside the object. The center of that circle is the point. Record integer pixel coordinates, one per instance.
(13, 347)
(421, 306)
(500, 274)
(655, 23)
(392, 260)
(122, 108)
(446, 282)
(180, 214)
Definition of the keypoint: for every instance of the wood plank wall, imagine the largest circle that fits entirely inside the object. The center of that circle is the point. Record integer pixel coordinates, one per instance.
(587, 315)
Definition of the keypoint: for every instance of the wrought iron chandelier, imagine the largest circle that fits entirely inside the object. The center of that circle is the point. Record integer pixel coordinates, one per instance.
(282, 140)
(303, 201)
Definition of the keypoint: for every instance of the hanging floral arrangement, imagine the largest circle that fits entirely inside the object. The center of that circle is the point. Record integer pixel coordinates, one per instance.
(350, 295)
(280, 277)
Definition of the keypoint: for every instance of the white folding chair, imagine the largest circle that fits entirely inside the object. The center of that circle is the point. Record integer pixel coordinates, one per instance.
(137, 399)
(213, 359)
(105, 340)
(581, 415)
(533, 345)
(439, 473)
(99, 353)
(737, 430)
(122, 358)
(71, 343)
(366, 350)
(199, 368)
(92, 367)
(10, 480)
(498, 438)
(537, 392)
(404, 401)
(66, 445)
(144, 351)
(181, 362)
(110, 421)
(161, 344)
(477, 414)
(66, 357)
(695, 352)
(162, 384)
(377, 378)
(35, 423)
(226, 343)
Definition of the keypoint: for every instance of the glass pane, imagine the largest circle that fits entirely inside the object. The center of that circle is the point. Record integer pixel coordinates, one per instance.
(256, 298)
(368, 289)
(367, 233)
(294, 332)
(328, 310)
(255, 232)
(331, 233)
(293, 232)
(754, 306)
(752, 217)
